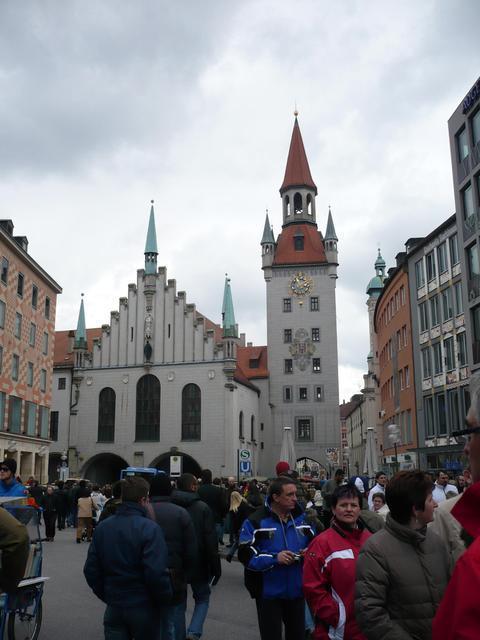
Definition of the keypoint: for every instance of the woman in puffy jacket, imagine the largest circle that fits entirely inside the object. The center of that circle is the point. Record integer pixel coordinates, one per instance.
(403, 570)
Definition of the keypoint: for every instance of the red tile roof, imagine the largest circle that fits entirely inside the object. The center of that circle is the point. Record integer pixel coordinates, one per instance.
(297, 171)
(63, 351)
(349, 407)
(244, 357)
(313, 252)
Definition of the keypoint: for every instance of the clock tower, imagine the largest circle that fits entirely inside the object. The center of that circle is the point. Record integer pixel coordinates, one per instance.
(300, 270)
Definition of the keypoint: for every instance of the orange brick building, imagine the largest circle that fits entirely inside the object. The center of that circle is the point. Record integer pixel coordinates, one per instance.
(27, 333)
(395, 354)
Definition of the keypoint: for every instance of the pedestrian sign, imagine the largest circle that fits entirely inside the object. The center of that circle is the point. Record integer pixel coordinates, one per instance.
(245, 467)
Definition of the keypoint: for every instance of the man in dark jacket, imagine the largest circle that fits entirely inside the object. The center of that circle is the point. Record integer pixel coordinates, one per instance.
(62, 504)
(207, 565)
(179, 535)
(126, 567)
(216, 499)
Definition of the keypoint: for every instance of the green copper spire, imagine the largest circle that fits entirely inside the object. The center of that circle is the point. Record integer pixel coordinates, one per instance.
(330, 232)
(81, 332)
(151, 251)
(228, 315)
(267, 237)
(375, 286)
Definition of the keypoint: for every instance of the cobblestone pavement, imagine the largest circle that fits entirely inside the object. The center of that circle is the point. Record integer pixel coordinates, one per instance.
(72, 611)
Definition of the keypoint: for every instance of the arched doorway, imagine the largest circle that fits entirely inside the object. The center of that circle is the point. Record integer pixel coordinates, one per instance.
(310, 468)
(104, 468)
(188, 464)
(54, 464)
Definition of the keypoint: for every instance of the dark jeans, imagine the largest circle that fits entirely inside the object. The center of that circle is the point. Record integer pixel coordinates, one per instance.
(271, 614)
(50, 517)
(130, 623)
(61, 520)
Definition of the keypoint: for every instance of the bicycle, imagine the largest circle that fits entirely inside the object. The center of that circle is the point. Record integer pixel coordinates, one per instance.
(21, 611)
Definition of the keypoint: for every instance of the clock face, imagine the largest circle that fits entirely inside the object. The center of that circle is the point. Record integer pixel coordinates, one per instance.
(301, 284)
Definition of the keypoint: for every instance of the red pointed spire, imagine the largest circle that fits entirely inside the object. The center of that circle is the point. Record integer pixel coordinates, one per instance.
(297, 172)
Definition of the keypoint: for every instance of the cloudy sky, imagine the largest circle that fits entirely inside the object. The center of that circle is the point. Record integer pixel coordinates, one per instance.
(106, 105)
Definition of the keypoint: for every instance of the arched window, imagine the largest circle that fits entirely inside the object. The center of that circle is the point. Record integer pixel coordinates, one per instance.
(309, 204)
(297, 203)
(191, 412)
(287, 205)
(106, 415)
(252, 428)
(240, 425)
(147, 424)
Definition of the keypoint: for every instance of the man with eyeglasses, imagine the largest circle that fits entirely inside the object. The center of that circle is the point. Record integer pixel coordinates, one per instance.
(9, 486)
(457, 616)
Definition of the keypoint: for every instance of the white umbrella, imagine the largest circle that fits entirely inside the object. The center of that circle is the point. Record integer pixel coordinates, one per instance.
(370, 463)
(287, 452)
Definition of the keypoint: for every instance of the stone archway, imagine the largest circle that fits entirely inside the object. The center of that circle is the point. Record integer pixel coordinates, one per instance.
(188, 465)
(103, 468)
(310, 468)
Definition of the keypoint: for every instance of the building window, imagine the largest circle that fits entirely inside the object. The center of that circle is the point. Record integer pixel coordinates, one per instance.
(106, 415)
(31, 418)
(449, 354)
(54, 425)
(457, 287)
(45, 343)
(400, 377)
(33, 334)
(453, 413)
(419, 274)
(462, 144)
(287, 335)
(431, 268)
(20, 283)
(476, 333)
(467, 201)
(15, 366)
(288, 365)
(253, 363)
(298, 242)
(461, 349)
(43, 380)
(62, 384)
(472, 260)
(18, 325)
(14, 414)
(240, 425)
(44, 422)
(287, 305)
(147, 422)
(30, 374)
(319, 393)
(303, 393)
(402, 295)
(2, 314)
(441, 414)
(47, 308)
(315, 334)
(316, 368)
(453, 242)
(314, 303)
(437, 358)
(447, 304)
(304, 431)
(429, 419)
(34, 296)
(434, 311)
(4, 272)
(252, 429)
(476, 128)
(1, 358)
(287, 394)
(407, 377)
(404, 335)
(191, 412)
(426, 363)
(423, 316)
(442, 257)
(2, 409)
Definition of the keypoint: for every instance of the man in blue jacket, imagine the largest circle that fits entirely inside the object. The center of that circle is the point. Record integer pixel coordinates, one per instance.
(9, 486)
(272, 542)
(126, 567)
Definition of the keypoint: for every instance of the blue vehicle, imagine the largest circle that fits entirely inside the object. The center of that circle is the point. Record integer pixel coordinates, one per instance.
(21, 611)
(144, 472)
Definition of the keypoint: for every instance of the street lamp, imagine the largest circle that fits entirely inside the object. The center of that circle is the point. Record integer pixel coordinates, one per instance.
(394, 437)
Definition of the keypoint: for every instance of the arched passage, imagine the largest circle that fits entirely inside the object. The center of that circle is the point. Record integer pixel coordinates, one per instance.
(104, 468)
(309, 468)
(188, 464)
(54, 463)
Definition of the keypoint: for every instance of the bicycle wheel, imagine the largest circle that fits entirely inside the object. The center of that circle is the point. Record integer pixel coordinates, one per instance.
(25, 624)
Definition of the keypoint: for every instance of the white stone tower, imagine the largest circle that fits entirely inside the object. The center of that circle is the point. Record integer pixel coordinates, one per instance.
(300, 270)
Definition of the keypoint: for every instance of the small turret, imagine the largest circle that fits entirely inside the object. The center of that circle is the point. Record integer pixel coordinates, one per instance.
(151, 251)
(331, 240)
(375, 286)
(230, 328)
(268, 244)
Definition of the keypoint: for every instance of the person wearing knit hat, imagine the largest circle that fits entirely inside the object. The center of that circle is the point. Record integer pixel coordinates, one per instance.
(282, 468)
(9, 487)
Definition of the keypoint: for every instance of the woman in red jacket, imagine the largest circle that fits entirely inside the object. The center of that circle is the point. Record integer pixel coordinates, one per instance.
(329, 569)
